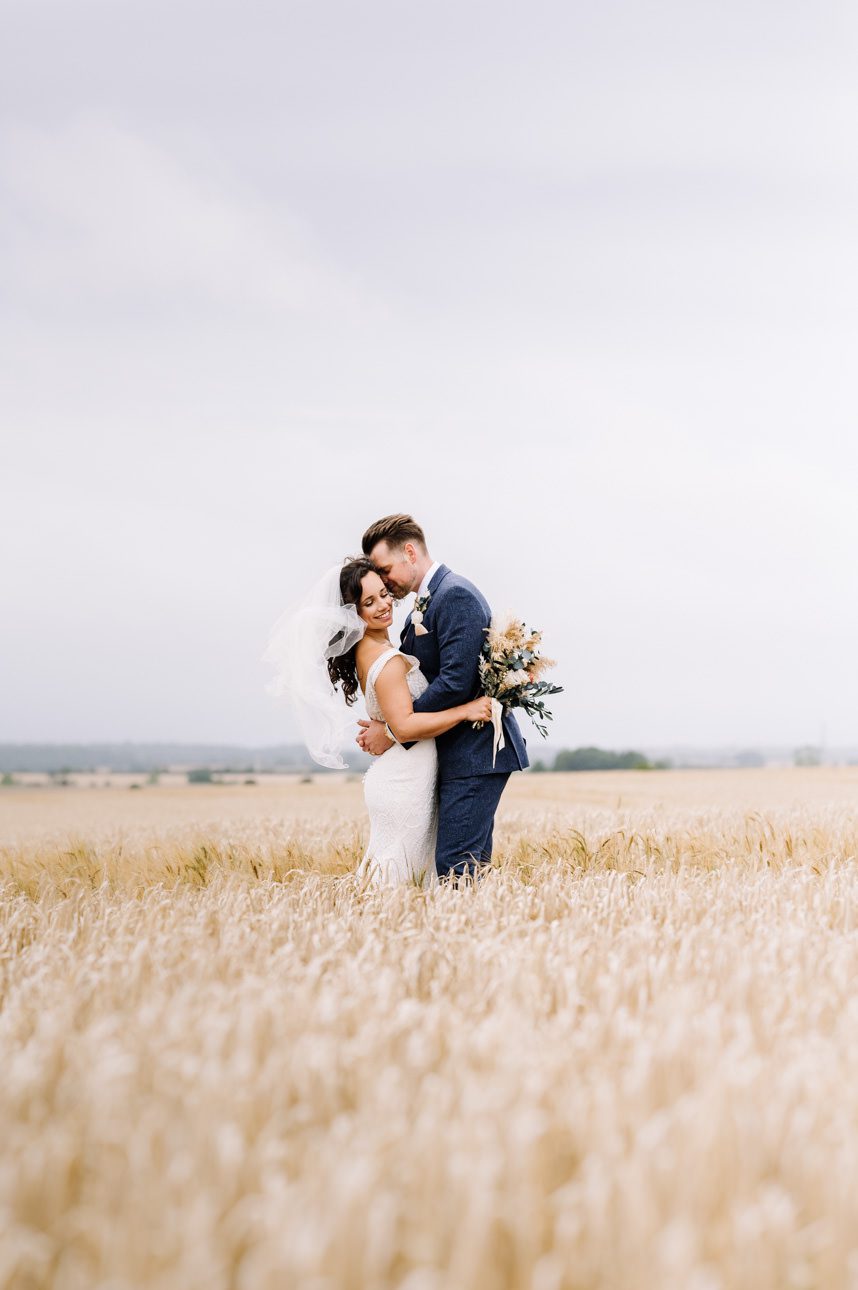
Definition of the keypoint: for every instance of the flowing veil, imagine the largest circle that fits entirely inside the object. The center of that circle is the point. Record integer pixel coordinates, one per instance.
(302, 640)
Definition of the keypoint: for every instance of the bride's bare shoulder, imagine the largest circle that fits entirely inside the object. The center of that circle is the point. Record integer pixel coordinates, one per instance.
(366, 652)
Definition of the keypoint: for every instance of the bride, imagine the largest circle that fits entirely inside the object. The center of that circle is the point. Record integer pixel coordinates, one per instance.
(338, 636)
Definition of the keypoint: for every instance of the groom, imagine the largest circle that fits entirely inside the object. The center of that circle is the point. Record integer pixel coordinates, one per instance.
(445, 632)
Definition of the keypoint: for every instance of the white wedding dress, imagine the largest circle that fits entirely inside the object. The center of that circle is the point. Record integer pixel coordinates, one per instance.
(399, 790)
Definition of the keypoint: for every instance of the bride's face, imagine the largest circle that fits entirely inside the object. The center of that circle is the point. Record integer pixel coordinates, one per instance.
(376, 604)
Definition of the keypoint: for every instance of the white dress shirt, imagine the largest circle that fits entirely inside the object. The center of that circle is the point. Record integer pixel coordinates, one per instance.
(423, 589)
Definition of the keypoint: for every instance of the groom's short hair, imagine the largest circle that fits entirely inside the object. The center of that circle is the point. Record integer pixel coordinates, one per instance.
(395, 530)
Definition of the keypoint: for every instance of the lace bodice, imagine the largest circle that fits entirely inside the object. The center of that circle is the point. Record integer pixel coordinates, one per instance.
(417, 683)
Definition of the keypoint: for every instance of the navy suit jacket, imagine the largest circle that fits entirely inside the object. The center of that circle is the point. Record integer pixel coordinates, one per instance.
(455, 621)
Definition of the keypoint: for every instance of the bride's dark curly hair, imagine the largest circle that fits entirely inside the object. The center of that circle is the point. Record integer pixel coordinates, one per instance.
(343, 670)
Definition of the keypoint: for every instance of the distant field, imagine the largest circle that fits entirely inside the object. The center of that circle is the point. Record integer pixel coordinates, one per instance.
(109, 803)
(627, 1060)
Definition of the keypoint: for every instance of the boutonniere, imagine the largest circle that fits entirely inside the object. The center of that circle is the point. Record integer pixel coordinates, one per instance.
(420, 606)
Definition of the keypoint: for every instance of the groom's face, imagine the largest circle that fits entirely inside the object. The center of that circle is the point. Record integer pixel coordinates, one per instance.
(396, 567)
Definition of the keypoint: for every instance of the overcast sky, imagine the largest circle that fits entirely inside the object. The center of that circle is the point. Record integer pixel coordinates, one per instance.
(575, 284)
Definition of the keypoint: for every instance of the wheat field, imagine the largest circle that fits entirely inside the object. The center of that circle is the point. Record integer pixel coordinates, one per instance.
(626, 1060)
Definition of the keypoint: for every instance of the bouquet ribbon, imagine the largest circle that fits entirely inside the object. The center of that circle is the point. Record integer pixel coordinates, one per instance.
(497, 726)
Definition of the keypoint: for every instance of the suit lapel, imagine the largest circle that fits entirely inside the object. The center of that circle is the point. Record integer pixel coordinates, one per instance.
(408, 638)
(437, 578)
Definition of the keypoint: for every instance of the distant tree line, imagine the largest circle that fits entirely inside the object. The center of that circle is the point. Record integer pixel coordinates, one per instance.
(145, 759)
(600, 759)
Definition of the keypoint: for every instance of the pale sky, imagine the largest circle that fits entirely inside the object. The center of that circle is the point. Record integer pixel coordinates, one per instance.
(576, 285)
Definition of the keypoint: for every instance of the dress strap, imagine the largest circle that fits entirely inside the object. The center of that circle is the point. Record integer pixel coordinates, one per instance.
(379, 663)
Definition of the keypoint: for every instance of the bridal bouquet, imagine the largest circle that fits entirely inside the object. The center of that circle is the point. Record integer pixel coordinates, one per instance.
(511, 668)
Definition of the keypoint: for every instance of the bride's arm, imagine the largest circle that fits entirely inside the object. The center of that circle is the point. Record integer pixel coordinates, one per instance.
(391, 690)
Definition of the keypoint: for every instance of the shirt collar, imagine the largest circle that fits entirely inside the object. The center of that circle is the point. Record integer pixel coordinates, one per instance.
(423, 589)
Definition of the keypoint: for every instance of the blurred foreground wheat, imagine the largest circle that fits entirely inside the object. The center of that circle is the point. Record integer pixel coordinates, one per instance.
(627, 1060)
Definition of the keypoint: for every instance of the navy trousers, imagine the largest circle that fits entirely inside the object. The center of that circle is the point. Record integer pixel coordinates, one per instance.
(466, 821)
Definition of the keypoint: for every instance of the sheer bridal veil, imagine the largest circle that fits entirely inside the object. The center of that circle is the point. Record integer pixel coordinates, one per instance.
(302, 640)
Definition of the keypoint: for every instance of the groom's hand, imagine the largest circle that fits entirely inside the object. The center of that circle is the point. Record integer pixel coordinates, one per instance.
(373, 738)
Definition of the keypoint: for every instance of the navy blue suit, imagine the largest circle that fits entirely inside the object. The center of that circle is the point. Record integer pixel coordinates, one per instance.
(469, 787)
